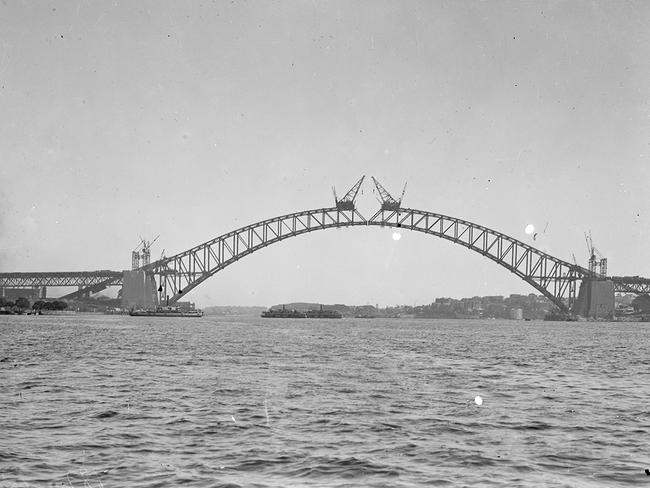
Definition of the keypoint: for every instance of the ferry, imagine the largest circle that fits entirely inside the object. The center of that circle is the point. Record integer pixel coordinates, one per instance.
(297, 314)
(283, 314)
(166, 312)
(324, 314)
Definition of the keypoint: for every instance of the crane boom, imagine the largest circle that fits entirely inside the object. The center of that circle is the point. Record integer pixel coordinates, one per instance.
(596, 266)
(387, 201)
(347, 202)
(142, 257)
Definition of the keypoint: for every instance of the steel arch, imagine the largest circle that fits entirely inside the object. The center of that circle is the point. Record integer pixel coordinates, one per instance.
(554, 278)
(176, 275)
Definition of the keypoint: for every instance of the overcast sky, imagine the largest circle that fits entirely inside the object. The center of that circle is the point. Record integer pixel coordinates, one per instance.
(190, 119)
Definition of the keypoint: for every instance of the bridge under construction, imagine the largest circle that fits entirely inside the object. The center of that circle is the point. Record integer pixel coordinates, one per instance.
(570, 287)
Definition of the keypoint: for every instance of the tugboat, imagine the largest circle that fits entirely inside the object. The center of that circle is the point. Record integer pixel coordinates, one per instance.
(166, 311)
(283, 314)
(324, 314)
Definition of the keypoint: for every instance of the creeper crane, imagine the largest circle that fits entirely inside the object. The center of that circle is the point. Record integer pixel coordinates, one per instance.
(145, 254)
(347, 202)
(387, 201)
(596, 265)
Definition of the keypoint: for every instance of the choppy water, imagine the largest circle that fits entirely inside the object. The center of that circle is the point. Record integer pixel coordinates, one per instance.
(143, 402)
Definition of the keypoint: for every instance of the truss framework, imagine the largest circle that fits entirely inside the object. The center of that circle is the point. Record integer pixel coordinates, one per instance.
(631, 284)
(86, 291)
(554, 278)
(176, 275)
(64, 278)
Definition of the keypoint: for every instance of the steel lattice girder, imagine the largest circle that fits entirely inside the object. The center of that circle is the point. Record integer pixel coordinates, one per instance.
(553, 277)
(178, 274)
(631, 284)
(65, 278)
(102, 285)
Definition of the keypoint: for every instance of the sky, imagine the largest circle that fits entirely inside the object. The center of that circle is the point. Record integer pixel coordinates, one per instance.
(187, 120)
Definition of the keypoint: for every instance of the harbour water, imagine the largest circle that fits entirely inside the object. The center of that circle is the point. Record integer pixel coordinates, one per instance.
(115, 401)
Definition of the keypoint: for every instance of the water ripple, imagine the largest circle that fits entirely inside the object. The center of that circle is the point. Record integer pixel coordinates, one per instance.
(108, 401)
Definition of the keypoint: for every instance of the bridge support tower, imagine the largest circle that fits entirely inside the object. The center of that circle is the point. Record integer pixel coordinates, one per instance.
(138, 290)
(595, 299)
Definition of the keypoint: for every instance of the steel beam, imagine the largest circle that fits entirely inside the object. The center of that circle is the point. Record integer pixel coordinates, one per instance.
(63, 278)
(554, 278)
(631, 284)
(177, 275)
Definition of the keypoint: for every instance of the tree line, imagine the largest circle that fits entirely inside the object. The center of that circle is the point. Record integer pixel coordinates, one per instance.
(23, 304)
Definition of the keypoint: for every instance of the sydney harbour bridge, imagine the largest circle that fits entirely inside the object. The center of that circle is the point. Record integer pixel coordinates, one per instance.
(568, 286)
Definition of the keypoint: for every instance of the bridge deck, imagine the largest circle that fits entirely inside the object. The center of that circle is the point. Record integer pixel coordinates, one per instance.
(59, 278)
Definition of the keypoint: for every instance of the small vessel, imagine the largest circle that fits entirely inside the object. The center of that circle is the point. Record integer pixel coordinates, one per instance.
(166, 311)
(324, 314)
(560, 317)
(283, 313)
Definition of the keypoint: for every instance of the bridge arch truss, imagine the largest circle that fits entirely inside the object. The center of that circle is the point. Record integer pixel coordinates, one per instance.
(554, 278)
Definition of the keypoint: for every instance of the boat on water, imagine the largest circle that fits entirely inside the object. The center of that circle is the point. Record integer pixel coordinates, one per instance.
(560, 317)
(324, 314)
(166, 312)
(283, 313)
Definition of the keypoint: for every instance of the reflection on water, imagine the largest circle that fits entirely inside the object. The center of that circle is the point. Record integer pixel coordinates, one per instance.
(119, 401)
